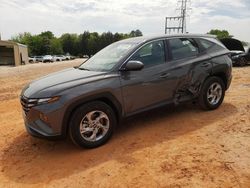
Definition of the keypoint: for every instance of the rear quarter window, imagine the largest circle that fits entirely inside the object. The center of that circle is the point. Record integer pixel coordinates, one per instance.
(210, 45)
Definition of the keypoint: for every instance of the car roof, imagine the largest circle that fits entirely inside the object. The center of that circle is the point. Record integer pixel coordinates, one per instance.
(143, 39)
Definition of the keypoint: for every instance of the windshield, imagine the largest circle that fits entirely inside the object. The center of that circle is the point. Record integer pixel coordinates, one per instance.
(108, 57)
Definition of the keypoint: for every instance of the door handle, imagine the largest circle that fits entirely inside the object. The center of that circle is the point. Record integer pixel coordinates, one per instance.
(205, 64)
(164, 75)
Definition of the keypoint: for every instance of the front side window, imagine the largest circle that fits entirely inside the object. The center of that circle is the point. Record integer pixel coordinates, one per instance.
(183, 48)
(151, 54)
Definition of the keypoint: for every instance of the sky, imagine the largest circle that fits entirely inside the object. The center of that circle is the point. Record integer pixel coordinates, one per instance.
(67, 16)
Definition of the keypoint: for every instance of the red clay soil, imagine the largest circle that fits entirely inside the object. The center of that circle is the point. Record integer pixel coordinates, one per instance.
(169, 147)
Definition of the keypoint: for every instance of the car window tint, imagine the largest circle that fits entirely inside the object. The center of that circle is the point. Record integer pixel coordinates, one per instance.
(205, 43)
(182, 48)
(151, 54)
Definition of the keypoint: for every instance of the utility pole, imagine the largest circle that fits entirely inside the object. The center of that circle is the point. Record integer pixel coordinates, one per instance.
(183, 14)
(179, 20)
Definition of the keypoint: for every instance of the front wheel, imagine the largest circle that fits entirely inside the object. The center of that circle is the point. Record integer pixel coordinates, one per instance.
(92, 124)
(212, 93)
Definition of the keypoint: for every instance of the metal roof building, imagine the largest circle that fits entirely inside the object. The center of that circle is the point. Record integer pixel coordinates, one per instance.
(12, 53)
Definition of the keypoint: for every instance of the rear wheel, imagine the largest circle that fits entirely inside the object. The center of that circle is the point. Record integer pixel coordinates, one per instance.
(212, 93)
(92, 124)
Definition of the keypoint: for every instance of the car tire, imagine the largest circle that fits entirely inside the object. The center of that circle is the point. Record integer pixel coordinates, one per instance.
(212, 93)
(242, 62)
(92, 124)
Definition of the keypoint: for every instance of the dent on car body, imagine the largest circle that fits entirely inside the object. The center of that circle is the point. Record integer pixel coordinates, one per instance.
(190, 88)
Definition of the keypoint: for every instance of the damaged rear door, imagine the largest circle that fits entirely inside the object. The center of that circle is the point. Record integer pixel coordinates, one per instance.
(188, 67)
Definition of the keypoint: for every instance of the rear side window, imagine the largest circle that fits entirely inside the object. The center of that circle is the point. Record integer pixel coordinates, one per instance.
(183, 48)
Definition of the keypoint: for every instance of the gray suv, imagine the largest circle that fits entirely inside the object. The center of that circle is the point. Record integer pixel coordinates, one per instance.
(123, 79)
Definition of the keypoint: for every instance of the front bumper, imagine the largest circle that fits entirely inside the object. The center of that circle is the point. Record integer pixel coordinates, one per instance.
(44, 121)
(40, 129)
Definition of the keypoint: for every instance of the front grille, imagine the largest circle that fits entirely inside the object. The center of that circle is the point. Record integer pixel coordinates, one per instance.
(27, 104)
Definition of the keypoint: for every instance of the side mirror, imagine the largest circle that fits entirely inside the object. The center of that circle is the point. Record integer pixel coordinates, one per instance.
(133, 66)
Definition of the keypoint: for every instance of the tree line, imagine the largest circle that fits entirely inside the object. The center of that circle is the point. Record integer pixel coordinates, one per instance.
(220, 33)
(87, 43)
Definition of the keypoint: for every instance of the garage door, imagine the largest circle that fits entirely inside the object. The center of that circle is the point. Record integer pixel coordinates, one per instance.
(7, 55)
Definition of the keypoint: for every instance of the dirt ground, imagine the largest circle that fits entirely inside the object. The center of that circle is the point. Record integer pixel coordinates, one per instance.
(170, 147)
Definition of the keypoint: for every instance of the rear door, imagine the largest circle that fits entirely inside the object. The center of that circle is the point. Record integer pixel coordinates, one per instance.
(187, 67)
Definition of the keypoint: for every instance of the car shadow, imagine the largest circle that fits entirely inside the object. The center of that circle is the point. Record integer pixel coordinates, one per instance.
(30, 160)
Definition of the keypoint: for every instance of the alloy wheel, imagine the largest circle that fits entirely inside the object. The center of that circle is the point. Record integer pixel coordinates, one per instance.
(214, 93)
(94, 125)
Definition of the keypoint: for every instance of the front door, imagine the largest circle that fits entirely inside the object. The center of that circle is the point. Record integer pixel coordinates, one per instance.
(151, 85)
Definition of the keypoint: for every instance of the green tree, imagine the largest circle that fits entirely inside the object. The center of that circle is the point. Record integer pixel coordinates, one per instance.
(35, 45)
(56, 46)
(47, 34)
(85, 43)
(47, 38)
(93, 43)
(136, 33)
(23, 38)
(220, 33)
(69, 43)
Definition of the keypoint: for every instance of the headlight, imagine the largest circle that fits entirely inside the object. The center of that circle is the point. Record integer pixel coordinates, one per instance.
(47, 100)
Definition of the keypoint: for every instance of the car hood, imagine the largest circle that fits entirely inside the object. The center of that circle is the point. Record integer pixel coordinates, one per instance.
(233, 44)
(51, 84)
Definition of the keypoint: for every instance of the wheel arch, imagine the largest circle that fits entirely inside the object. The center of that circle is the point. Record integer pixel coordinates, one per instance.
(107, 98)
(222, 76)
